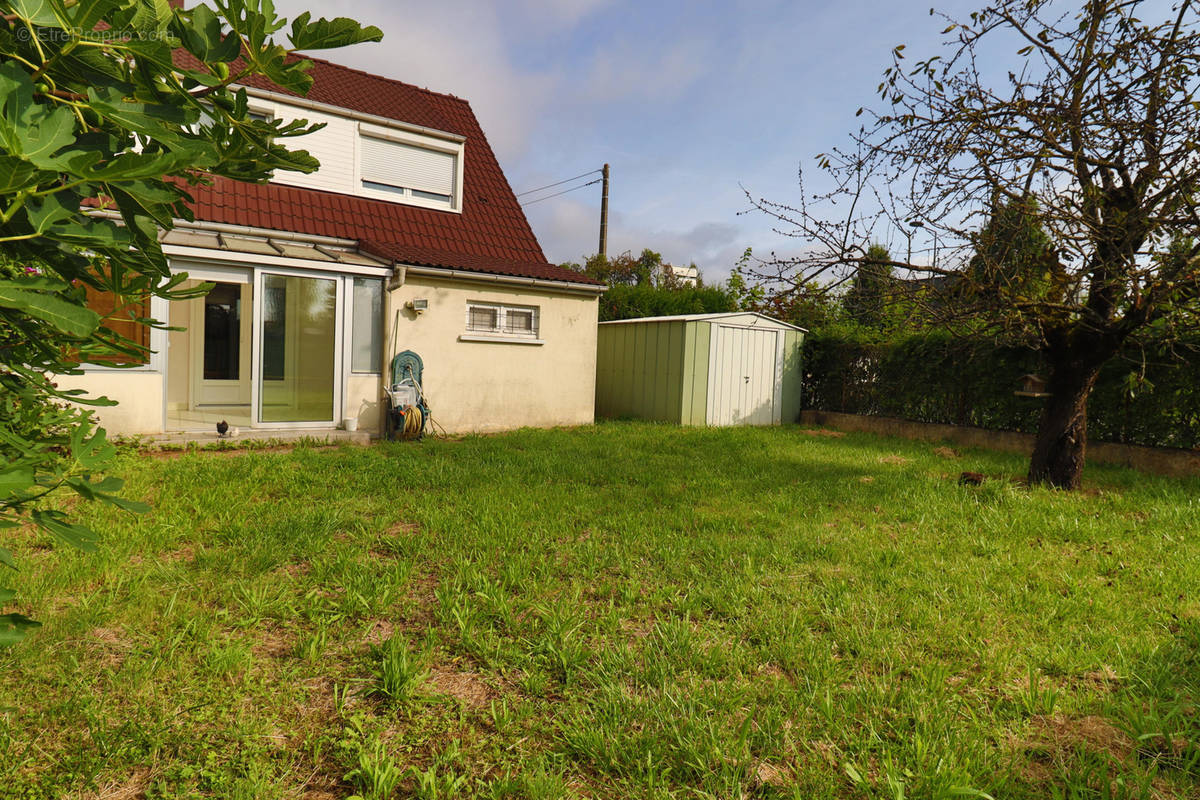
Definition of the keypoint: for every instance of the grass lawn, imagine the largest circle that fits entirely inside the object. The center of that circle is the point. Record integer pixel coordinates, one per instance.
(620, 611)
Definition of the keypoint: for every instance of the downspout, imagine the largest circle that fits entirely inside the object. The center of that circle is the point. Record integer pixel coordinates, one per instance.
(395, 282)
(399, 273)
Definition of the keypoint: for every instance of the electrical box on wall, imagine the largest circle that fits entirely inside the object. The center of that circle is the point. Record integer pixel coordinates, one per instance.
(418, 305)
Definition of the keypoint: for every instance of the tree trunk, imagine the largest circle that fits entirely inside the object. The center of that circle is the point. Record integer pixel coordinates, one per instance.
(1061, 445)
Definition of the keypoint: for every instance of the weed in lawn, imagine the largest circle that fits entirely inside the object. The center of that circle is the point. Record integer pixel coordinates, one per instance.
(258, 602)
(400, 674)
(312, 647)
(533, 681)
(501, 715)
(375, 775)
(532, 784)
(1164, 732)
(435, 784)
(557, 642)
(1037, 698)
(343, 694)
(229, 660)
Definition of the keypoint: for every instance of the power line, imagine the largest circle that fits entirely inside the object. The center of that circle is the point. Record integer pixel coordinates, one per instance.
(560, 183)
(556, 194)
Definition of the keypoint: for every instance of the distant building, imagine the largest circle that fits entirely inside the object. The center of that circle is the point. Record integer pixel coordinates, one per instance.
(688, 275)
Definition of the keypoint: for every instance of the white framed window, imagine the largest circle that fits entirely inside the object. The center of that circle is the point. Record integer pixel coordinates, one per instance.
(495, 322)
(366, 321)
(253, 112)
(408, 170)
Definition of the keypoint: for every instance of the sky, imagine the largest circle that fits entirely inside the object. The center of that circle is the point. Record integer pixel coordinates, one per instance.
(692, 104)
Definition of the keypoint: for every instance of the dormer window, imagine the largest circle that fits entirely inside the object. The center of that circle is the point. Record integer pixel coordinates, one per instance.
(409, 171)
(206, 118)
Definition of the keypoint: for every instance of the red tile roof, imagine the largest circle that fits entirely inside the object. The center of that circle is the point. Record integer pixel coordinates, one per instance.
(490, 235)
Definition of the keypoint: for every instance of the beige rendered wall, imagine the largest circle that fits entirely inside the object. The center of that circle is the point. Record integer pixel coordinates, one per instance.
(139, 396)
(493, 386)
(179, 348)
(364, 402)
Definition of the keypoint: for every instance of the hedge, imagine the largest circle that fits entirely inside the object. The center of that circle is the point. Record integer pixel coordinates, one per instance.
(934, 377)
(629, 302)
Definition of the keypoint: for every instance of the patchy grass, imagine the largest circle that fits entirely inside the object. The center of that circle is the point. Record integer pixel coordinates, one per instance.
(620, 611)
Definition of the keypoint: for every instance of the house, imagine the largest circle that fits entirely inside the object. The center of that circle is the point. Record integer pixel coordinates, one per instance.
(687, 276)
(408, 237)
(735, 368)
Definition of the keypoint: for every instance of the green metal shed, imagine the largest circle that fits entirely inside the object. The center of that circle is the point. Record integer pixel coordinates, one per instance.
(739, 368)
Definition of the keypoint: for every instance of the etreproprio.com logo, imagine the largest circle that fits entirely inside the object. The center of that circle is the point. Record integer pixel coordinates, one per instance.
(51, 35)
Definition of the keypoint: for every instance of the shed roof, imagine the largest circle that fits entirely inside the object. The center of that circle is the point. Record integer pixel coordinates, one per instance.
(725, 316)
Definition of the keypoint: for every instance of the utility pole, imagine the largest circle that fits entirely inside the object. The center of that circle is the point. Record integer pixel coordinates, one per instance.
(604, 216)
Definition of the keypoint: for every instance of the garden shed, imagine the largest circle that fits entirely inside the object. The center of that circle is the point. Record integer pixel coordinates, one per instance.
(738, 368)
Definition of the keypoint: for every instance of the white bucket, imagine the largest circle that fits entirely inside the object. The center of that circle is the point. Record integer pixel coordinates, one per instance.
(350, 423)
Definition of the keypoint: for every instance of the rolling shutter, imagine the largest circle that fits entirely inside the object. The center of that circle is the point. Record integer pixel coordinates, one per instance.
(403, 165)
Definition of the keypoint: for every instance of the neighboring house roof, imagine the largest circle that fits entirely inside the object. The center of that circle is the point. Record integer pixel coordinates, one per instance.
(490, 234)
(935, 282)
(715, 317)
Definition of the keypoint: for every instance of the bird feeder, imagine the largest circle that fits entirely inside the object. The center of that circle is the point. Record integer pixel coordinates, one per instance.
(1032, 386)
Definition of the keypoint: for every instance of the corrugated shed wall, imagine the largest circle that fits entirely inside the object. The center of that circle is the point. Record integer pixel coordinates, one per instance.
(793, 376)
(695, 373)
(640, 370)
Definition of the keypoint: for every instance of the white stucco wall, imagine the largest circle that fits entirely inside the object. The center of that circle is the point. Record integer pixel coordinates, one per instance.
(139, 397)
(492, 386)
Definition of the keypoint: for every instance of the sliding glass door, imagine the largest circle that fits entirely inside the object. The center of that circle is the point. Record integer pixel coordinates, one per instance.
(299, 354)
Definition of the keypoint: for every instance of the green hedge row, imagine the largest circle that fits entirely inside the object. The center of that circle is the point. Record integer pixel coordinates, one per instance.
(934, 377)
(629, 302)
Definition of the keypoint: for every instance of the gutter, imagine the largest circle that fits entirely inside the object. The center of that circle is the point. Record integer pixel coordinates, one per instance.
(271, 233)
(263, 233)
(511, 280)
(375, 119)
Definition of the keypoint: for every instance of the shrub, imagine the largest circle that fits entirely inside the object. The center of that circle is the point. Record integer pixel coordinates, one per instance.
(1151, 397)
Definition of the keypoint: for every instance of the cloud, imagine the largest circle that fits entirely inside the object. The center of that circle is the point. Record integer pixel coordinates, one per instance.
(629, 70)
(556, 15)
(457, 47)
(569, 231)
(708, 235)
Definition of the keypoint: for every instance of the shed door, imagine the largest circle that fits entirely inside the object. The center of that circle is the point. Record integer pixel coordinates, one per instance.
(745, 376)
